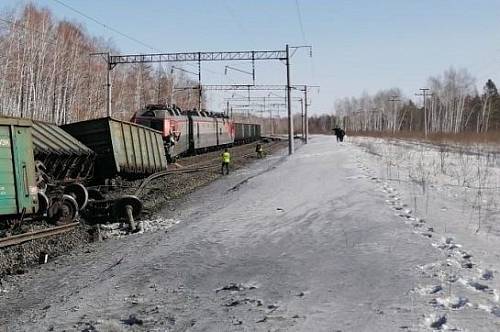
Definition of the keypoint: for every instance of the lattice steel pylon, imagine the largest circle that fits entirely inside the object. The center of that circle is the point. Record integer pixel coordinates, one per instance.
(281, 55)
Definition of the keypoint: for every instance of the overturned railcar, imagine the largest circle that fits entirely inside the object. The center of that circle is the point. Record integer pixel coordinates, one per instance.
(60, 155)
(122, 148)
(29, 189)
(18, 190)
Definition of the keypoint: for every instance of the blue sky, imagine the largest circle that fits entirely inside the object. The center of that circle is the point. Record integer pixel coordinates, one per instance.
(359, 46)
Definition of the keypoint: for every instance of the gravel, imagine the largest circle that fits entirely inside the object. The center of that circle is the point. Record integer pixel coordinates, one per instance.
(161, 193)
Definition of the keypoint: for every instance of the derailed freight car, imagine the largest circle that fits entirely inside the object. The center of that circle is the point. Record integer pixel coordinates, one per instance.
(68, 158)
(122, 148)
(27, 189)
(18, 191)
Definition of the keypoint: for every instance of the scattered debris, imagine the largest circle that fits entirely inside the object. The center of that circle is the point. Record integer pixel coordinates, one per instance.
(235, 287)
(436, 321)
(115, 264)
(132, 320)
(43, 258)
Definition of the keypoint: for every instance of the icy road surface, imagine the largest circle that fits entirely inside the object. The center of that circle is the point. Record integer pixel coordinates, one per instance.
(313, 242)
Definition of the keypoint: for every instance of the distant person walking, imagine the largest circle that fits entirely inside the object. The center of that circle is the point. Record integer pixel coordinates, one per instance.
(339, 133)
(226, 160)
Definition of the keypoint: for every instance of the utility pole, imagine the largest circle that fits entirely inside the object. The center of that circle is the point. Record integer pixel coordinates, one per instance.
(302, 127)
(281, 55)
(199, 81)
(109, 67)
(424, 94)
(393, 100)
(306, 120)
(289, 101)
(108, 86)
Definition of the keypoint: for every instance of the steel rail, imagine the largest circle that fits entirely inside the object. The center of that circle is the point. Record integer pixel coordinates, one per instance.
(187, 169)
(39, 234)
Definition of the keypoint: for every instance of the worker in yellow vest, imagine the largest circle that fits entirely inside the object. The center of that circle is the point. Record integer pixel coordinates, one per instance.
(226, 159)
(259, 150)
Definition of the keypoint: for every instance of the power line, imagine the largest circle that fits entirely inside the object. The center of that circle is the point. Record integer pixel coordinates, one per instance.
(46, 36)
(105, 25)
(301, 25)
(236, 19)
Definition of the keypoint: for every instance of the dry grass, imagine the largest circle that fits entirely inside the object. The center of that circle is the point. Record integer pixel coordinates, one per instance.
(435, 138)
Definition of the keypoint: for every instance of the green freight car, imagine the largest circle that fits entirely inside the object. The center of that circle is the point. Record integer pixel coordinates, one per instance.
(26, 191)
(122, 148)
(18, 190)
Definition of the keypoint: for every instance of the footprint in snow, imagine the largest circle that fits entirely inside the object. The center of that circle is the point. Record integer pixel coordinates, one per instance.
(453, 302)
(429, 290)
(486, 275)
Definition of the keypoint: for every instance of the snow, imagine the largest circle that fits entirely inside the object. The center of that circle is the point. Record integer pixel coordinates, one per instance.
(365, 235)
(454, 190)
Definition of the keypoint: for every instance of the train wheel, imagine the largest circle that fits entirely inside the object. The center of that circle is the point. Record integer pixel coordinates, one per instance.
(128, 207)
(69, 208)
(79, 193)
(63, 210)
(122, 207)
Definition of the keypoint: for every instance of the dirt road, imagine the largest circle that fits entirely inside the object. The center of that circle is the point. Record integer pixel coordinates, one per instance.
(304, 243)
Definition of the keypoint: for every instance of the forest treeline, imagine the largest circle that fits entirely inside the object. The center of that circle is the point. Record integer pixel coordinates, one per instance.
(47, 72)
(453, 105)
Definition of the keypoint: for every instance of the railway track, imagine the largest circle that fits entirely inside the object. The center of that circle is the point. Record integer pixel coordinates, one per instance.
(212, 163)
(209, 164)
(34, 235)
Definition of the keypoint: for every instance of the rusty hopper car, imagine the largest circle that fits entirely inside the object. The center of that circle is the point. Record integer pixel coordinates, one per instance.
(122, 148)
